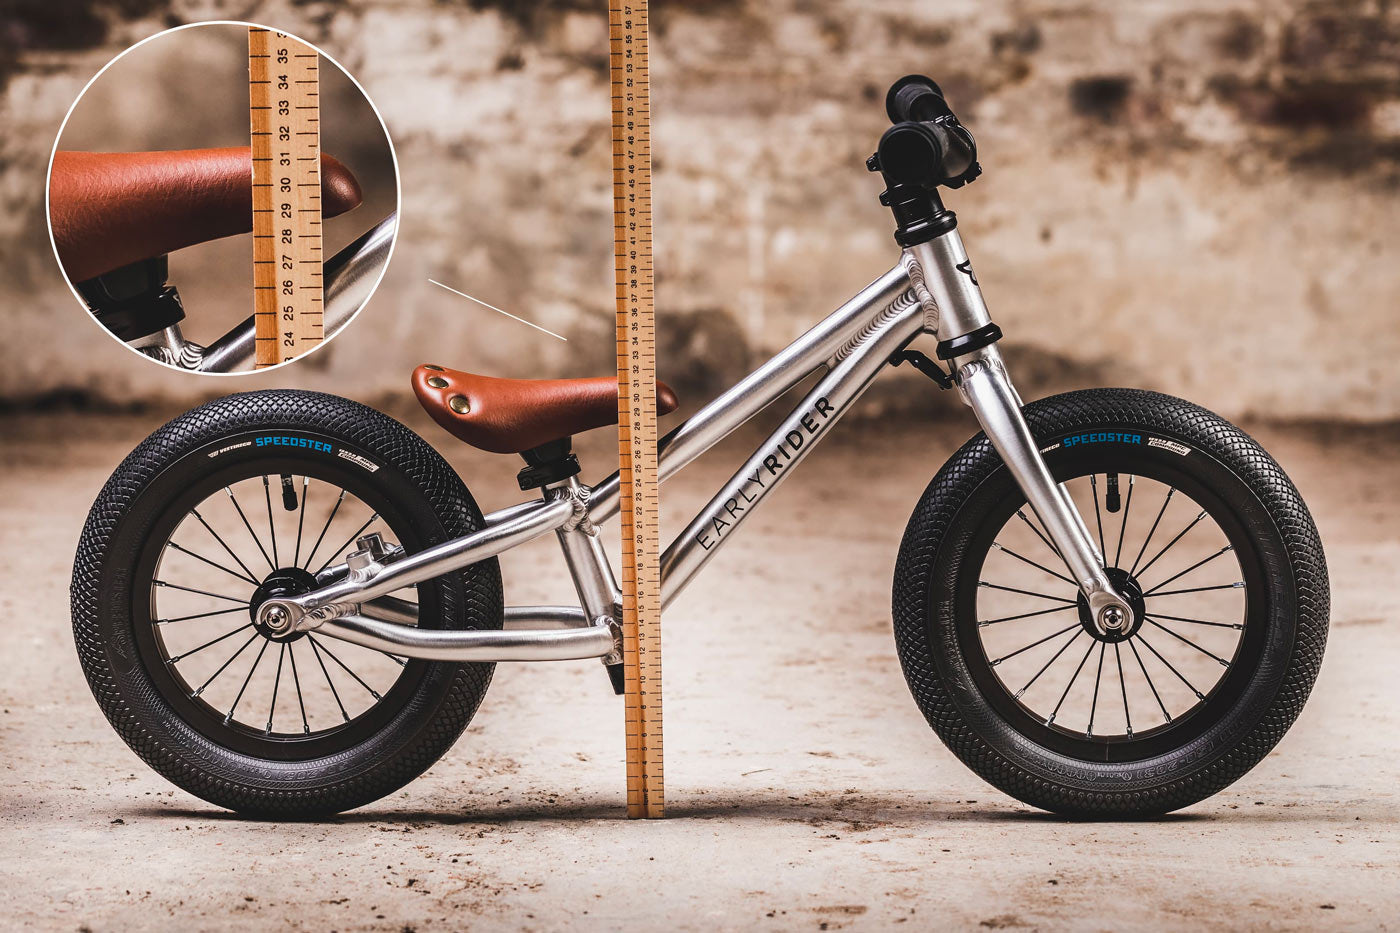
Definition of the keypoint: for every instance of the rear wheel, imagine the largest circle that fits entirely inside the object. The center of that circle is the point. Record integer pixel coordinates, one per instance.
(1209, 541)
(246, 498)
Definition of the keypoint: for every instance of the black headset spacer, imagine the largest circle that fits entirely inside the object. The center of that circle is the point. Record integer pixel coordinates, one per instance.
(986, 335)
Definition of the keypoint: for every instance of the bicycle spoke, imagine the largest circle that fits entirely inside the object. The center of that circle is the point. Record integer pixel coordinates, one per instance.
(1012, 589)
(1052, 660)
(1123, 529)
(1149, 682)
(201, 615)
(296, 682)
(173, 586)
(372, 692)
(1069, 686)
(277, 682)
(350, 542)
(1234, 625)
(1006, 550)
(247, 525)
(235, 573)
(1195, 521)
(324, 528)
(215, 641)
(246, 680)
(1098, 676)
(1038, 533)
(1123, 685)
(1027, 615)
(1201, 589)
(1094, 492)
(1038, 642)
(1180, 637)
(335, 693)
(271, 528)
(254, 637)
(1171, 491)
(1190, 686)
(222, 543)
(1049, 678)
(1199, 563)
(301, 518)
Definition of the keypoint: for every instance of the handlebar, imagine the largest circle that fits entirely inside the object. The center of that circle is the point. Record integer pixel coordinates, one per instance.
(914, 97)
(926, 146)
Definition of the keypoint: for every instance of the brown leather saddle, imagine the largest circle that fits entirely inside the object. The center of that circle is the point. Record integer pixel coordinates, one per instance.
(511, 416)
(109, 209)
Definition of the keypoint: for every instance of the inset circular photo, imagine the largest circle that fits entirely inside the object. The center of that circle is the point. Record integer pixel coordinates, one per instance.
(223, 197)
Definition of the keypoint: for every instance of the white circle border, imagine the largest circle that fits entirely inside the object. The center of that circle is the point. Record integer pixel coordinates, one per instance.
(393, 156)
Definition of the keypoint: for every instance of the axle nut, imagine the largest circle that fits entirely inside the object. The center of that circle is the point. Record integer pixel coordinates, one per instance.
(275, 618)
(1113, 618)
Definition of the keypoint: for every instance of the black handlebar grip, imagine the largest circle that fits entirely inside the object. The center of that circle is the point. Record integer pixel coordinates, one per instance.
(915, 98)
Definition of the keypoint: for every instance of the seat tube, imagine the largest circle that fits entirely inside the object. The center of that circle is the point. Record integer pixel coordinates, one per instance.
(944, 282)
(588, 565)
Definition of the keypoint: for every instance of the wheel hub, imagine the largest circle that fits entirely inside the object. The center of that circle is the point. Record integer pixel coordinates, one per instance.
(281, 583)
(1131, 591)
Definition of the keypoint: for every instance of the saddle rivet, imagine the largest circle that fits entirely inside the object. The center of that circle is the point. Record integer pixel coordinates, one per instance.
(434, 367)
(437, 382)
(459, 404)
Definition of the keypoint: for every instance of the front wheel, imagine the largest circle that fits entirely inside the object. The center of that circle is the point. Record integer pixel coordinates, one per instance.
(1209, 541)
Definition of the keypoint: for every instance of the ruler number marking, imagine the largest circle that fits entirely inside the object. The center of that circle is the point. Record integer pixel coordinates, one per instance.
(283, 83)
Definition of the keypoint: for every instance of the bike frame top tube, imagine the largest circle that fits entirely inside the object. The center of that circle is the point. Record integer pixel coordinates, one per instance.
(760, 388)
(853, 344)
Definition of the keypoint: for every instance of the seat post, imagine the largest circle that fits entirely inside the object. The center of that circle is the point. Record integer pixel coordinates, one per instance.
(135, 300)
(548, 463)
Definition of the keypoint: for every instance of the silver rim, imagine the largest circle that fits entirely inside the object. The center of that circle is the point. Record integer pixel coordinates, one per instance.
(1033, 633)
(210, 570)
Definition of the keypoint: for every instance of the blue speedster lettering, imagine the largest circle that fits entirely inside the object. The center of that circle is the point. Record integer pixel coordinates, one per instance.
(282, 440)
(1102, 437)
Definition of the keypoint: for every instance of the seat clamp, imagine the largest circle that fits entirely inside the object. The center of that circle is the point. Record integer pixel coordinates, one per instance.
(548, 463)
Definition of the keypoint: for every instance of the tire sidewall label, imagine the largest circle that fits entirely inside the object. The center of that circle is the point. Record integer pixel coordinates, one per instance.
(1128, 437)
(282, 441)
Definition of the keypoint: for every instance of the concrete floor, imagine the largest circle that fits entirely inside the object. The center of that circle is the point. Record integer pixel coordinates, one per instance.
(805, 790)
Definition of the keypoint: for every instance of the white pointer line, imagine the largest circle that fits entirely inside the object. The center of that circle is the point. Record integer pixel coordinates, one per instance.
(494, 308)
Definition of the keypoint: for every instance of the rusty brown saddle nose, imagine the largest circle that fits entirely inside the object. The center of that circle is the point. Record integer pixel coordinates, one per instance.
(109, 209)
(511, 416)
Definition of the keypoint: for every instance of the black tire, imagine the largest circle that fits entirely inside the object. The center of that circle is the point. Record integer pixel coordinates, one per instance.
(406, 729)
(1282, 634)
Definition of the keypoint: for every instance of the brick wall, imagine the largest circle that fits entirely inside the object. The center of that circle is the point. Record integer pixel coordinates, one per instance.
(1198, 197)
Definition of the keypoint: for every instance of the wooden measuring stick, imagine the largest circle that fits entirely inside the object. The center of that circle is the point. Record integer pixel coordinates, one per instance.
(636, 383)
(284, 110)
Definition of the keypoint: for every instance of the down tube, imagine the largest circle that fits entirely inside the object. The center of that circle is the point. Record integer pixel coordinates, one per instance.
(787, 446)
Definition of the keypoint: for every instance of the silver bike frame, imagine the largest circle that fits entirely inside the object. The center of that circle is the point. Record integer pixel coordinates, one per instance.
(349, 276)
(931, 291)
